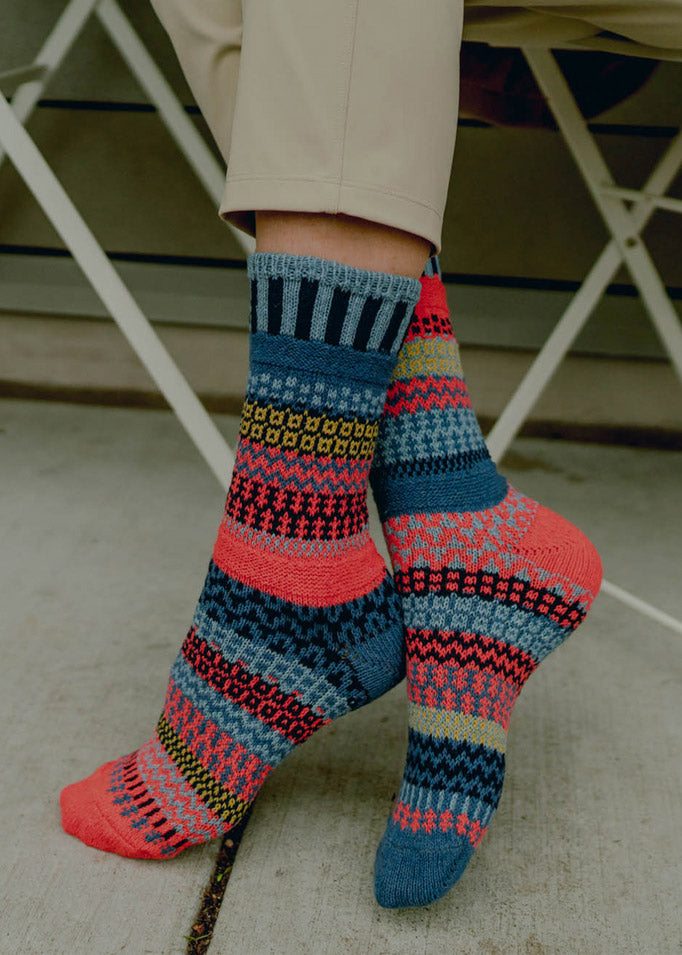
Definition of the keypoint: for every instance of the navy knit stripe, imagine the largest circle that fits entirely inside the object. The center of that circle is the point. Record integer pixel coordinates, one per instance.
(470, 490)
(368, 316)
(306, 303)
(476, 770)
(394, 326)
(275, 299)
(337, 315)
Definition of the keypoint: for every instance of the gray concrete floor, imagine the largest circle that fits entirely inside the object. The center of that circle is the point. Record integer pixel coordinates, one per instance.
(107, 520)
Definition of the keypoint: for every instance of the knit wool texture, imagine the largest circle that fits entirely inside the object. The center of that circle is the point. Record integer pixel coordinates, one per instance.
(491, 583)
(298, 621)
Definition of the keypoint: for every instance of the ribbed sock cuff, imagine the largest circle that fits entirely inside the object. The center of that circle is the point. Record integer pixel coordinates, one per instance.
(318, 300)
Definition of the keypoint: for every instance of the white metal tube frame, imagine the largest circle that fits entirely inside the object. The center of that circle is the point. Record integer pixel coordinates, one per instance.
(626, 247)
(50, 194)
(62, 37)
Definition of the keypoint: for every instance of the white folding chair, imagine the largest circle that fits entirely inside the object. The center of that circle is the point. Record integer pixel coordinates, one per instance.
(26, 85)
(625, 213)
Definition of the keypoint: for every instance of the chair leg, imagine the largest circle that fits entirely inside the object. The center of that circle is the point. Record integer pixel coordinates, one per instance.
(569, 325)
(618, 219)
(62, 36)
(99, 271)
(157, 88)
(552, 353)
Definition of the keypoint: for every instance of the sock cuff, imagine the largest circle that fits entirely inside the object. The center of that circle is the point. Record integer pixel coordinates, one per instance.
(317, 300)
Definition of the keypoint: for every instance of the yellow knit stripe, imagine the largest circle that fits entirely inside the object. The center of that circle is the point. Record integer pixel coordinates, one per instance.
(428, 356)
(307, 432)
(220, 800)
(456, 725)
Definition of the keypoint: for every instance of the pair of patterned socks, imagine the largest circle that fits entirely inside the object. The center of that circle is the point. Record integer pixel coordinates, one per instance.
(299, 621)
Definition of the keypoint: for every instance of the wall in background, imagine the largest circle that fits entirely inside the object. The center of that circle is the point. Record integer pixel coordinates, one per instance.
(517, 208)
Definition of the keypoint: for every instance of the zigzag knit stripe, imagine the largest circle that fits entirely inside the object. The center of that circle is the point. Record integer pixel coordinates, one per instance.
(526, 595)
(506, 623)
(476, 770)
(266, 744)
(173, 795)
(303, 471)
(464, 649)
(422, 394)
(226, 805)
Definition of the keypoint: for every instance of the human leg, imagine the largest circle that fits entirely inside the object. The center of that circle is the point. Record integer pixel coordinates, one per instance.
(491, 583)
(298, 621)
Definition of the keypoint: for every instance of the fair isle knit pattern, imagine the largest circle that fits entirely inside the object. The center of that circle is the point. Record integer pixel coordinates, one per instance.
(491, 583)
(298, 621)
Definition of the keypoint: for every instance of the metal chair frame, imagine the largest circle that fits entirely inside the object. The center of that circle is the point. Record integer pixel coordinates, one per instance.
(26, 85)
(625, 213)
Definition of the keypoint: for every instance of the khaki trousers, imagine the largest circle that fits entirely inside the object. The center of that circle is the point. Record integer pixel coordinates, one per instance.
(350, 106)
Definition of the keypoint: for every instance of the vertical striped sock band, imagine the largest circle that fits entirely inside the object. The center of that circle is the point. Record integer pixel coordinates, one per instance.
(321, 301)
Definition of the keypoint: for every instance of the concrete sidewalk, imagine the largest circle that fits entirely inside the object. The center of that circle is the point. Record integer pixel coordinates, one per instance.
(107, 520)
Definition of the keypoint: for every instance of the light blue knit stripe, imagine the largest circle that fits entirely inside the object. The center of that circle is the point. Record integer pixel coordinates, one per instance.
(351, 321)
(318, 395)
(261, 308)
(508, 623)
(440, 800)
(424, 434)
(432, 267)
(290, 293)
(323, 303)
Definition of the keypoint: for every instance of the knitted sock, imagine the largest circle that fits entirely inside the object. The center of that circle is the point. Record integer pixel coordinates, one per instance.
(491, 583)
(298, 621)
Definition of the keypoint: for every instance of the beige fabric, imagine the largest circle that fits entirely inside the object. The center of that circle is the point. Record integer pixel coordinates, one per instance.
(350, 106)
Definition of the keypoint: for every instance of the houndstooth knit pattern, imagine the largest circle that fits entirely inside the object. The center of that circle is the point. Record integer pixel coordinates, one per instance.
(491, 583)
(298, 621)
